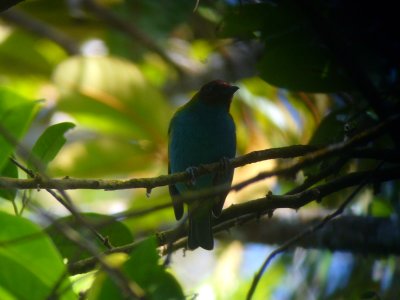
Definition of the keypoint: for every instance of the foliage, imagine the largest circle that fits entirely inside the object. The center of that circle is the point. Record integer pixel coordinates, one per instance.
(87, 91)
(28, 255)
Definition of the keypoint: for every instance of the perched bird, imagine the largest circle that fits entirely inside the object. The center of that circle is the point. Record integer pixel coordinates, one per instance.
(202, 131)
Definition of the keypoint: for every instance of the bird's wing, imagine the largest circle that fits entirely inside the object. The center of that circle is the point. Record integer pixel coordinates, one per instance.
(178, 205)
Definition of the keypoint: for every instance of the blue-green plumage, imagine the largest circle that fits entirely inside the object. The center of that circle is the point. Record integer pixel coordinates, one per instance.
(201, 132)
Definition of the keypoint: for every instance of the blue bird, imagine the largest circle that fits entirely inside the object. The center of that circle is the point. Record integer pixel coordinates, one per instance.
(202, 131)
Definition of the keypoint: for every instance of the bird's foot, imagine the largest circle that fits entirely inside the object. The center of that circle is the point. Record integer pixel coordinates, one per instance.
(224, 163)
(192, 172)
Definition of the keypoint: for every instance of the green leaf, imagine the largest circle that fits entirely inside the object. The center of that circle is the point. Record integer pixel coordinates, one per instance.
(117, 156)
(20, 55)
(110, 97)
(302, 67)
(381, 208)
(331, 129)
(16, 113)
(30, 264)
(9, 170)
(4, 295)
(116, 232)
(49, 144)
(293, 58)
(264, 18)
(144, 269)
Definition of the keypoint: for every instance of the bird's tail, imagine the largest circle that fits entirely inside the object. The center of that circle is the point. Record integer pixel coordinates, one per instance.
(200, 230)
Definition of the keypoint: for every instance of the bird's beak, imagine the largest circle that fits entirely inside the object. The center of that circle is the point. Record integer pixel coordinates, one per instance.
(233, 89)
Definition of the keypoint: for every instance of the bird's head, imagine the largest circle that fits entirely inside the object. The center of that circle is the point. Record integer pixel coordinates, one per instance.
(217, 92)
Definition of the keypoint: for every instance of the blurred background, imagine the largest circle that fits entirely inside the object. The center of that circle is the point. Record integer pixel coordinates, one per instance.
(118, 69)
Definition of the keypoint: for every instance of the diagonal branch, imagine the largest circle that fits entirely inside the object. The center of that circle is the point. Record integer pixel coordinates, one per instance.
(42, 29)
(129, 28)
(312, 229)
(241, 213)
(292, 241)
(129, 288)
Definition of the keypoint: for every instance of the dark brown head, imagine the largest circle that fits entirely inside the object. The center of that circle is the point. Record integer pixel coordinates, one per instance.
(217, 92)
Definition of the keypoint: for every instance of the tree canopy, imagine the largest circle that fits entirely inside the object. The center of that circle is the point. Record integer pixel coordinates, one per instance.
(87, 91)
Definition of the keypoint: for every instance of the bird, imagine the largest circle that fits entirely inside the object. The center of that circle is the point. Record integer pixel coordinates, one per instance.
(202, 131)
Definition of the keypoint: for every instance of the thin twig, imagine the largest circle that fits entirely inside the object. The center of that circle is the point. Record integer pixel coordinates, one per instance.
(319, 155)
(324, 173)
(65, 201)
(291, 242)
(254, 209)
(127, 287)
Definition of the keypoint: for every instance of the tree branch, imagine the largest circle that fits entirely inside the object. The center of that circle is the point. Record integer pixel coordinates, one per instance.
(310, 157)
(42, 29)
(349, 60)
(242, 213)
(130, 29)
(6, 4)
(129, 288)
(355, 234)
(293, 240)
(149, 183)
(296, 201)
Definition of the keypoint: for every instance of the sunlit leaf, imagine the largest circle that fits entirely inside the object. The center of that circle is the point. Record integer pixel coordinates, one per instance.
(28, 256)
(380, 207)
(111, 95)
(19, 55)
(49, 144)
(16, 114)
(118, 156)
(128, 116)
(144, 270)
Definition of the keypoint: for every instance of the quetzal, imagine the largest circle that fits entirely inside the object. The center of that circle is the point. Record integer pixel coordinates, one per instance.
(202, 131)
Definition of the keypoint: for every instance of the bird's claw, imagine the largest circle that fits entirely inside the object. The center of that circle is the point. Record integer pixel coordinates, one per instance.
(192, 172)
(224, 164)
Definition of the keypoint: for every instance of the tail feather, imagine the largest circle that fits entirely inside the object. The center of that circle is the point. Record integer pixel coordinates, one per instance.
(200, 231)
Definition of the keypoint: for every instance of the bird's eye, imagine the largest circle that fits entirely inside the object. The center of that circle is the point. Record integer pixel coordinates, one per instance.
(209, 88)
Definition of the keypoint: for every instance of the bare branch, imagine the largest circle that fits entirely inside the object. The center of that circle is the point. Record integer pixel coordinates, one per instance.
(42, 29)
(292, 151)
(292, 241)
(130, 29)
(355, 234)
(129, 288)
(149, 183)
